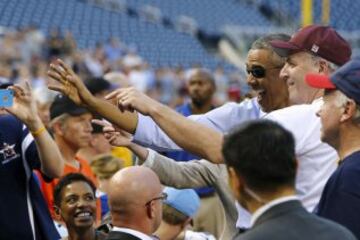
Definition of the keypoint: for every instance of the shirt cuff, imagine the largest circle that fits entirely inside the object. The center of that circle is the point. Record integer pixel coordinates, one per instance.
(149, 161)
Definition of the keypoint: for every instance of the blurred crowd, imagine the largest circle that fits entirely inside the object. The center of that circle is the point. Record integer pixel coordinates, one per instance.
(96, 144)
(25, 54)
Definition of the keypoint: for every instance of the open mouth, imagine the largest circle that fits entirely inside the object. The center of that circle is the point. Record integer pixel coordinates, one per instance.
(84, 215)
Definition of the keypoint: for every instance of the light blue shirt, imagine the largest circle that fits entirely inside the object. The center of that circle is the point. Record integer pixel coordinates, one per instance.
(222, 119)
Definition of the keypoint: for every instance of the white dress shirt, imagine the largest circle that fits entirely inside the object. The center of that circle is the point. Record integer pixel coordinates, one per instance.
(132, 232)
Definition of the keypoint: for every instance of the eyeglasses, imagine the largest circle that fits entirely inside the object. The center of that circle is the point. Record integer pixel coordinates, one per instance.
(162, 197)
(259, 71)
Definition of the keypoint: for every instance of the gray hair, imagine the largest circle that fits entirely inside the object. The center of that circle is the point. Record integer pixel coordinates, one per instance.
(264, 43)
(332, 66)
(342, 99)
(59, 119)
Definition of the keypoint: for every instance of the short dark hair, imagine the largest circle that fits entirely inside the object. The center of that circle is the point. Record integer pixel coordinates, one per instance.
(263, 153)
(67, 180)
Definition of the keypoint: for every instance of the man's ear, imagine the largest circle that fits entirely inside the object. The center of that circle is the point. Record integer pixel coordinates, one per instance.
(58, 128)
(349, 111)
(235, 182)
(186, 223)
(150, 210)
(324, 67)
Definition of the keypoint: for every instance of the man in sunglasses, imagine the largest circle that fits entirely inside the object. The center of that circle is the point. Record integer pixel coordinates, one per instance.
(135, 204)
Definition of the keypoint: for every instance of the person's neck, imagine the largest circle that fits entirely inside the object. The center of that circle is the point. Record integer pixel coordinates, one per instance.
(349, 141)
(67, 152)
(200, 109)
(88, 234)
(87, 153)
(167, 231)
(254, 205)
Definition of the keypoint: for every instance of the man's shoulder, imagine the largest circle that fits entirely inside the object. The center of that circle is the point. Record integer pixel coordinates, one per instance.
(297, 224)
(9, 122)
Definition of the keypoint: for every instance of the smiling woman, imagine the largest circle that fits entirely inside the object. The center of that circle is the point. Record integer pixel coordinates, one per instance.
(75, 204)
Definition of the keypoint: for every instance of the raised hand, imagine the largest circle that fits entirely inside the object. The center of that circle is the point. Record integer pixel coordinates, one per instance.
(24, 106)
(131, 99)
(70, 83)
(115, 136)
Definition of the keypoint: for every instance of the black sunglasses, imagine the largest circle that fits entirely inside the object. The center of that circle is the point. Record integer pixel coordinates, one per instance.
(259, 71)
(162, 197)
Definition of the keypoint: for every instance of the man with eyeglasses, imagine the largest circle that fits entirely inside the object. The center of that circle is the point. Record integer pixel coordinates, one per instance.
(135, 203)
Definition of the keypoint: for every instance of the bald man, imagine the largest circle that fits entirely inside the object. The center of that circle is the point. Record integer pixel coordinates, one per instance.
(135, 203)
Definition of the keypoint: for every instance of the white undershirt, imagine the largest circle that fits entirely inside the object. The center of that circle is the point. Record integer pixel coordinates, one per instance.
(260, 211)
(132, 232)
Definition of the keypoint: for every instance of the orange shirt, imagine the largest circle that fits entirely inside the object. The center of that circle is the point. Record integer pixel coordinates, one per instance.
(47, 188)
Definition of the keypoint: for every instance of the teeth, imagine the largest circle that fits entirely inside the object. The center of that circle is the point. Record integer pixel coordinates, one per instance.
(84, 214)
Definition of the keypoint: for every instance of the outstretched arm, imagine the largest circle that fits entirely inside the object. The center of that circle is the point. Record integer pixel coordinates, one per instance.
(24, 108)
(189, 135)
(72, 86)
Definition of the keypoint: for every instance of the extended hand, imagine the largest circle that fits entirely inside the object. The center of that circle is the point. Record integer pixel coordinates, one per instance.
(70, 83)
(115, 136)
(131, 99)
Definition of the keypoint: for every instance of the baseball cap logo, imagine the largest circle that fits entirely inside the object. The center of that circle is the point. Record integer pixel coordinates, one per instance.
(315, 48)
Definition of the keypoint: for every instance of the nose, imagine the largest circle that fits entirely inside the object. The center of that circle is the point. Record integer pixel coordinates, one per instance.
(251, 80)
(318, 113)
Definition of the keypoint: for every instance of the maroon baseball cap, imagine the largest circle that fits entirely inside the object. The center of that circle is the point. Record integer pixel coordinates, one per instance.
(322, 41)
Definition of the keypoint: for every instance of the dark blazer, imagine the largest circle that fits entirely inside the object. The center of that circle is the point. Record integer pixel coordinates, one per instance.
(115, 235)
(290, 220)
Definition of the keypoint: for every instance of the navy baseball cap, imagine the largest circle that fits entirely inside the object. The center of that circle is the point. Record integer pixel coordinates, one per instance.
(346, 79)
(63, 104)
(322, 41)
(185, 201)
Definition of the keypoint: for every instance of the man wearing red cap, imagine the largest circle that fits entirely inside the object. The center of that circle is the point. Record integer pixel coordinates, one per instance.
(313, 49)
(340, 118)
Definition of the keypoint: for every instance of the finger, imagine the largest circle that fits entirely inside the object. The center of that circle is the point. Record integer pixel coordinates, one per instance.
(113, 94)
(65, 66)
(113, 141)
(100, 122)
(56, 76)
(126, 104)
(18, 91)
(109, 129)
(58, 69)
(27, 86)
(57, 88)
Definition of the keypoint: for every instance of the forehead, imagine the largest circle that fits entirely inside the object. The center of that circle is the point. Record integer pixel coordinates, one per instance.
(300, 57)
(199, 76)
(77, 188)
(260, 57)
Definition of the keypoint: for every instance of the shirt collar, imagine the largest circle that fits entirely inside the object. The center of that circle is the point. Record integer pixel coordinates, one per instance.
(132, 232)
(260, 211)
